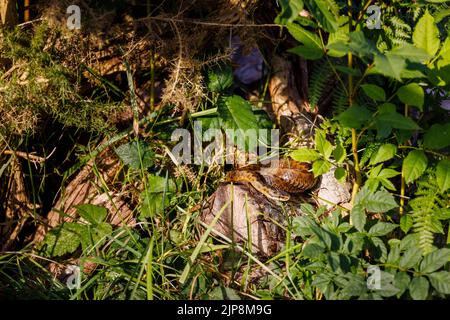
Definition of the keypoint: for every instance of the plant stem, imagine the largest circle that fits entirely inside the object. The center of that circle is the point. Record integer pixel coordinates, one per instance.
(358, 179)
(403, 186)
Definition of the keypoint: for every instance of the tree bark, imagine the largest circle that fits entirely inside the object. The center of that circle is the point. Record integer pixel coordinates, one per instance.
(8, 12)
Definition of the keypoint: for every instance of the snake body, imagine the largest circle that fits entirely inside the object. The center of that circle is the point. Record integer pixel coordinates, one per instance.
(277, 183)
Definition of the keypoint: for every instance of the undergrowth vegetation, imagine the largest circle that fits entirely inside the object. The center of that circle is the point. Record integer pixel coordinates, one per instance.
(380, 95)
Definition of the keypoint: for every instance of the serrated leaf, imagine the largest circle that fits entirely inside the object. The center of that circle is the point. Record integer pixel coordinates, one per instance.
(441, 281)
(409, 241)
(312, 250)
(414, 165)
(95, 236)
(444, 54)
(305, 155)
(434, 260)
(387, 184)
(411, 52)
(418, 288)
(398, 121)
(382, 229)
(304, 36)
(236, 113)
(236, 116)
(378, 249)
(357, 43)
(374, 92)
(384, 153)
(388, 173)
(437, 137)
(220, 78)
(412, 95)
(326, 12)
(339, 153)
(320, 167)
(323, 145)
(64, 239)
(339, 37)
(307, 52)
(401, 281)
(92, 213)
(389, 65)
(410, 258)
(136, 153)
(380, 201)
(358, 217)
(354, 117)
(443, 175)
(426, 34)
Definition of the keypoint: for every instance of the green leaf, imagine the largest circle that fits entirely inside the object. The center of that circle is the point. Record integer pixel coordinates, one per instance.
(305, 155)
(387, 285)
(411, 52)
(418, 288)
(389, 65)
(312, 250)
(398, 121)
(136, 153)
(378, 249)
(360, 45)
(358, 217)
(350, 71)
(414, 165)
(304, 36)
(441, 281)
(380, 201)
(339, 153)
(437, 137)
(426, 34)
(382, 229)
(326, 12)
(354, 117)
(409, 241)
(384, 153)
(323, 145)
(412, 95)
(410, 258)
(443, 174)
(401, 281)
(434, 260)
(64, 239)
(220, 78)
(320, 167)
(289, 11)
(374, 92)
(95, 236)
(156, 196)
(340, 174)
(223, 293)
(236, 115)
(444, 54)
(92, 213)
(387, 107)
(307, 52)
(406, 223)
(388, 173)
